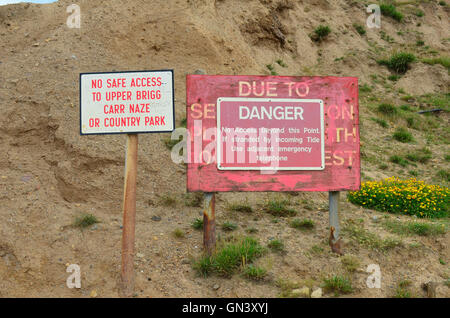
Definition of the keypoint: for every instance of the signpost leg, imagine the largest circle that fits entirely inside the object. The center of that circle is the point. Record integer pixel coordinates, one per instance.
(129, 216)
(335, 241)
(209, 223)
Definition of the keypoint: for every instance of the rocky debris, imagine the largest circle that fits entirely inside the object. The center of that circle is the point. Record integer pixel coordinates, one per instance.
(317, 293)
(301, 292)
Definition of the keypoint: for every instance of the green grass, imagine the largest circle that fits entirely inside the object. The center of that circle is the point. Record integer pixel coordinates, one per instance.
(443, 60)
(402, 135)
(305, 224)
(229, 226)
(194, 199)
(85, 220)
(350, 263)
(420, 13)
(422, 156)
(197, 224)
(399, 62)
(240, 207)
(414, 228)
(369, 239)
(276, 245)
(402, 290)
(391, 11)
(387, 109)
(279, 207)
(230, 257)
(398, 160)
(168, 199)
(281, 63)
(255, 273)
(380, 122)
(365, 88)
(321, 32)
(443, 175)
(178, 233)
(337, 284)
(359, 28)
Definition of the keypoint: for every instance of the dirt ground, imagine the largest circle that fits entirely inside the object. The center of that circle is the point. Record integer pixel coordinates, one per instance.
(49, 174)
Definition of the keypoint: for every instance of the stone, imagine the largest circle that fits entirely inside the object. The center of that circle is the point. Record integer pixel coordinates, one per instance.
(156, 218)
(317, 293)
(301, 292)
(216, 287)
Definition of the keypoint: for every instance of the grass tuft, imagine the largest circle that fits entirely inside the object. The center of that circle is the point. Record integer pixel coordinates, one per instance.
(85, 220)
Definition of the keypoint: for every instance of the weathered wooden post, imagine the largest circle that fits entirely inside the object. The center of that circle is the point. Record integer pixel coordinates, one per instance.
(209, 222)
(129, 216)
(335, 240)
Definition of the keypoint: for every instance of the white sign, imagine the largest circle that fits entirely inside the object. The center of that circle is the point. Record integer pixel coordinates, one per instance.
(127, 102)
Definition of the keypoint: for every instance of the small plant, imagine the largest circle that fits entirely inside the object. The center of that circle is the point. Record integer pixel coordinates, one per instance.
(168, 200)
(443, 60)
(321, 32)
(316, 249)
(398, 160)
(365, 88)
(305, 224)
(420, 43)
(85, 220)
(420, 13)
(350, 263)
(399, 62)
(387, 109)
(281, 63)
(380, 122)
(197, 224)
(254, 272)
(338, 284)
(229, 257)
(391, 11)
(369, 239)
(383, 166)
(279, 208)
(394, 77)
(402, 290)
(443, 175)
(271, 69)
(178, 233)
(359, 28)
(194, 199)
(414, 228)
(240, 207)
(442, 3)
(411, 197)
(229, 226)
(402, 135)
(276, 245)
(170, 143)
(251, 230)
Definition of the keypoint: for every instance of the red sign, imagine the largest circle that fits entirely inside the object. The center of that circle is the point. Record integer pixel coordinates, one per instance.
(270, 133)
(277, 133)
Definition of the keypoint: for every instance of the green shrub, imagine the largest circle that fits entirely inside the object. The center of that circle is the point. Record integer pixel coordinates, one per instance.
(402, 135)
(399, 62)
(391, 11)
(229, 226)
(380, 122)
(279, 208)
(254, 272)
(338, 284)
(305, 224)
(398, 160)
(85, 220)
(321, 32)
(411, 197)
(276, 245)
(230, 257)
(387, 109)
(359, 28)
(197, 224)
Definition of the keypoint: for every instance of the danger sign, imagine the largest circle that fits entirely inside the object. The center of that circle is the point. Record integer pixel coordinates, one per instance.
(127, 102)
(276, 133)
(272, 133)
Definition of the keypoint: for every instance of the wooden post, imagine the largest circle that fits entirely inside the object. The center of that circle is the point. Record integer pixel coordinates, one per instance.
(129, 216)
(334, 240)
(209, 222)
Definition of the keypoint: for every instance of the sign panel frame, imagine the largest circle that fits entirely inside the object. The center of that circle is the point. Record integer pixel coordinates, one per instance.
(286, 100)
(172, 96)
(341, 119)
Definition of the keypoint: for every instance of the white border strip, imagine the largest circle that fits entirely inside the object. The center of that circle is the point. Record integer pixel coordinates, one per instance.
(234, 99)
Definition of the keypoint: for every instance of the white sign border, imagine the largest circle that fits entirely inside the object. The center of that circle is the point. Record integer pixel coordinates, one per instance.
(130, 132)
(249, 99)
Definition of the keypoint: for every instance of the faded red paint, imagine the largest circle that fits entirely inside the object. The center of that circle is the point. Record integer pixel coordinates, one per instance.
(342, 159)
